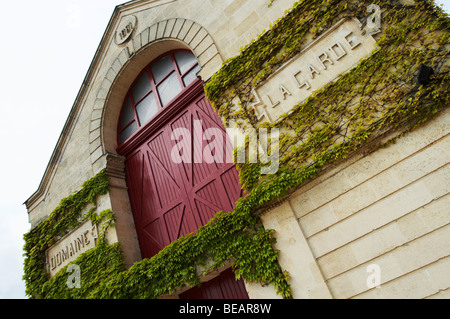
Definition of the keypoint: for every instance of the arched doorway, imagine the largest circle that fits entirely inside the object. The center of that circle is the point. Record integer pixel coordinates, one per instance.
(175, 146)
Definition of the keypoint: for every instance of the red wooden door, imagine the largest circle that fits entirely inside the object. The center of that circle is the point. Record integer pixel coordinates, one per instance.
(224, 286)
(171, 199)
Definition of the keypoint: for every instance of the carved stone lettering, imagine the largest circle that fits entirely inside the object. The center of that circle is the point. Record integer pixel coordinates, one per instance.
(323, 61)
(125, 29)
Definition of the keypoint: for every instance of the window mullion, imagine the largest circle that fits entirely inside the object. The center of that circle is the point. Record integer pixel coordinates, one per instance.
(133, 107)
(177, 70)
(155, 89)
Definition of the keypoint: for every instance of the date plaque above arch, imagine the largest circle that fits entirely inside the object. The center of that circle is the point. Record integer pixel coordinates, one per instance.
(125, 29)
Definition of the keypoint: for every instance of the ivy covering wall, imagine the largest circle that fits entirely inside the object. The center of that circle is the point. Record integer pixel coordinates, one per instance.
(96, 265)
(229, 236)
(379, 95)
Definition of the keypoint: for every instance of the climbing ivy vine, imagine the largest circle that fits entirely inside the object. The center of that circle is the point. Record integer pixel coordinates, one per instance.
(236, 236)
(379, 95)
(67, 216)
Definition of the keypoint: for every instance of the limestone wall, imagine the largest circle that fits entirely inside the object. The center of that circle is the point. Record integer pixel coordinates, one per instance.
(385, 214)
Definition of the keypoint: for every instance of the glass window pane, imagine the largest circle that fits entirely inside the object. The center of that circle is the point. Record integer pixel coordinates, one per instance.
(128, 132)
(147, 109)
(141, 87)
(127, 113)
(185, 61)
(191, 76)
(161, 68)
(169, 89)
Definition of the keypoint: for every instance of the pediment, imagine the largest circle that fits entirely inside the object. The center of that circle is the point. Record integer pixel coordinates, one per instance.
(131, 30)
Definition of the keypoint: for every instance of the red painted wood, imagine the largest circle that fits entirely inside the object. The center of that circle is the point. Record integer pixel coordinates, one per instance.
(224, 286)
(171, 200)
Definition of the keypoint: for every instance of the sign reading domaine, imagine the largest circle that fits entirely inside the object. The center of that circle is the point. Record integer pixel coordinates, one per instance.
(125, 29)
(333, 53)
(71, 247)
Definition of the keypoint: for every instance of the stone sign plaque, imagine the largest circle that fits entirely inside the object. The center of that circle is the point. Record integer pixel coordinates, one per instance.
(333, 53)
(125, 29)
(70, 247)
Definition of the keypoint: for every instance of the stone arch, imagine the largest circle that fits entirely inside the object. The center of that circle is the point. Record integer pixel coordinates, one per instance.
(161, 37)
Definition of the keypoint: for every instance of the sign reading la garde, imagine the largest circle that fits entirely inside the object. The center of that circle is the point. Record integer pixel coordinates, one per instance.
(70, 247)
(335, 52)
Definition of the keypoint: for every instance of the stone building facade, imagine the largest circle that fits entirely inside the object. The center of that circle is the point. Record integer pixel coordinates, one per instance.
(371, 224)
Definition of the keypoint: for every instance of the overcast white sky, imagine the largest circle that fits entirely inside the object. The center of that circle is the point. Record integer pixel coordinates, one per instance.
(47, 47)
(46, 50)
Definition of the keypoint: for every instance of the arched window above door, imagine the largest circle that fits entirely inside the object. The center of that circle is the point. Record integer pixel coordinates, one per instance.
(155, 88)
